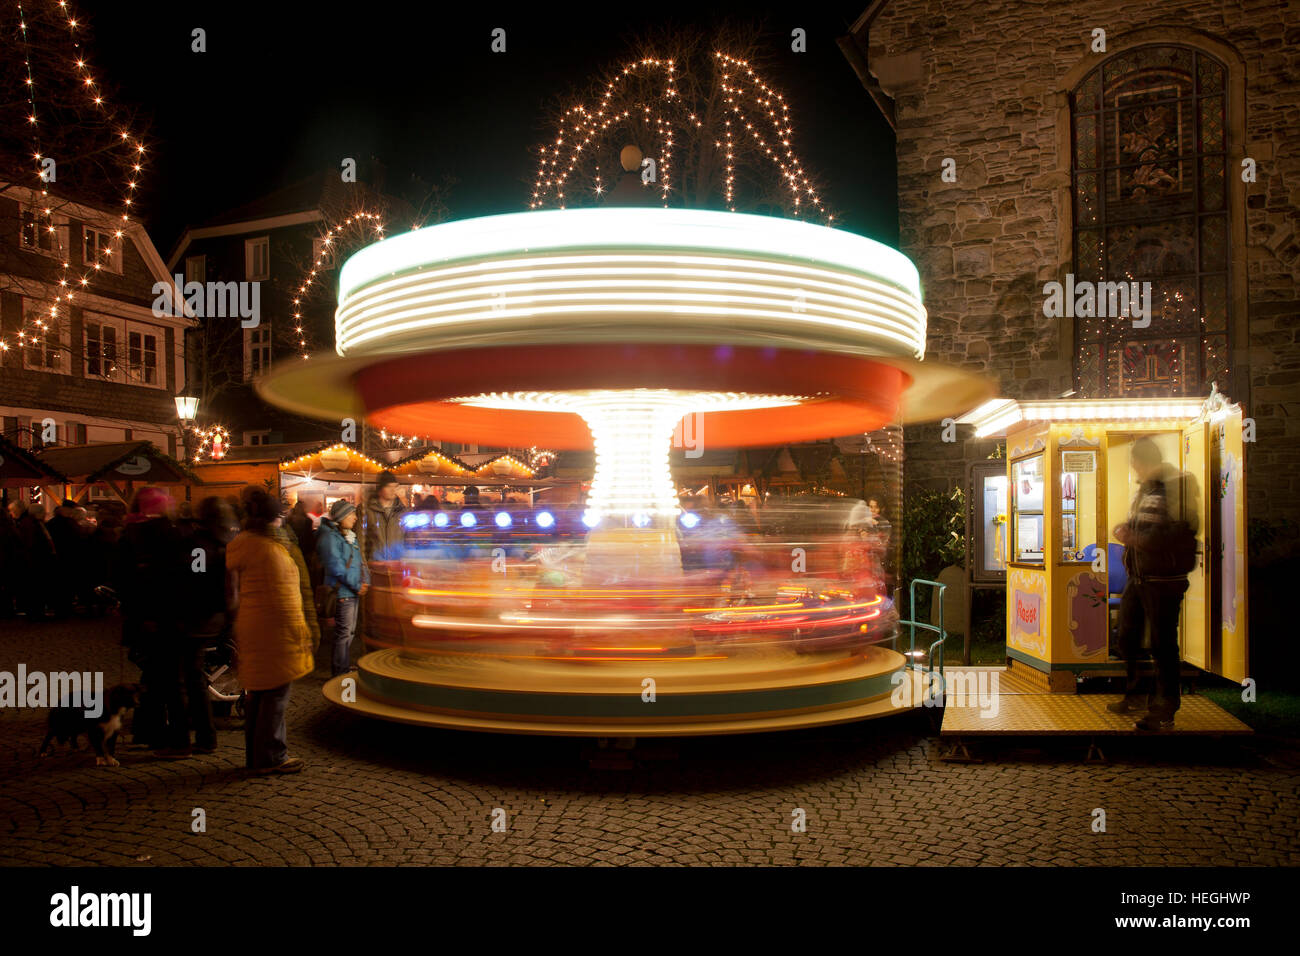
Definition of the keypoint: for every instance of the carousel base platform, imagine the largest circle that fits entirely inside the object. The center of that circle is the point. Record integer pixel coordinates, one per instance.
(747, 690)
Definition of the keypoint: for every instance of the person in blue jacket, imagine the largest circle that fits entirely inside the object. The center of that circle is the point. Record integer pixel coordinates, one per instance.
(340, 557)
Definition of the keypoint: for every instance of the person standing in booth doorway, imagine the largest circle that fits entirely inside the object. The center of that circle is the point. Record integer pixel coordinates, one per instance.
(1159, 553)
(340, 558)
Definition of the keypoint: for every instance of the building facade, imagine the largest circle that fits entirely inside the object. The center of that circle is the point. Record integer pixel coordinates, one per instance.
(276, 242)
(1124, 143)
(103, 367)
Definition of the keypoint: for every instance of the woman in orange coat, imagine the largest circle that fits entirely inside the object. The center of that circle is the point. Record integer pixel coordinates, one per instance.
(271, 634)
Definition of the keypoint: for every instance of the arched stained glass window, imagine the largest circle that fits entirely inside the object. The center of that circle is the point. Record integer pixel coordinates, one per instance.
(1150, 205)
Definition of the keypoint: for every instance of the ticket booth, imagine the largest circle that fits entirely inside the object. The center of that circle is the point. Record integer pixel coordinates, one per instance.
(1069, 482)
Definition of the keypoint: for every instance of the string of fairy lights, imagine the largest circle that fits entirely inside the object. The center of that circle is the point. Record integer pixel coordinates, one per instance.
(34, 330)
(361, 225)
(583, 129)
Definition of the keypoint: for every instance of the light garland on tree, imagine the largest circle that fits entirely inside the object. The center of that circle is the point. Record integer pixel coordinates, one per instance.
(585, 127)
(134, 150)
(368, 224)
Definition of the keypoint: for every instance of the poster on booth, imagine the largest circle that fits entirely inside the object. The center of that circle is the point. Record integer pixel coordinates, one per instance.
(1027, 593)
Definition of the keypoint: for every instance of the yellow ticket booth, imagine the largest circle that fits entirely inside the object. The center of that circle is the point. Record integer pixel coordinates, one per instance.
(1069, 482)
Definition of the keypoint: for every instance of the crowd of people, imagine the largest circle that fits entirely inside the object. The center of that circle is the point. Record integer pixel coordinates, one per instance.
(237, 576)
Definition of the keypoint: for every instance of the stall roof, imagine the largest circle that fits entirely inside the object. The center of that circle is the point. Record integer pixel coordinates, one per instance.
(120, 460)
(20, 468)
(505, 466)
(431, 462)
(995, 417)
(355, 459)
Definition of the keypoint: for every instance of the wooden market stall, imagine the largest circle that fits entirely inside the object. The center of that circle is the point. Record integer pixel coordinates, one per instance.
(499, 477)
(19, 468)
(113, 471)
(323, 474)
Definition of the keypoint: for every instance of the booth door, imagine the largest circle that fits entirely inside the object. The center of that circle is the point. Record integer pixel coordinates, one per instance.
(1230, 655)
(1194, 636)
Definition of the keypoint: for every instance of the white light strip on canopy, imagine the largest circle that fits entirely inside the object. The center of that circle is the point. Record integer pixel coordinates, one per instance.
(766, 237)
(632, 432)
(630, 275)
(995, 417)
(635, 298)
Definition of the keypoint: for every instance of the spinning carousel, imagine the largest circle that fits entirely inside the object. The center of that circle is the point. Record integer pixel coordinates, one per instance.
(602, 329)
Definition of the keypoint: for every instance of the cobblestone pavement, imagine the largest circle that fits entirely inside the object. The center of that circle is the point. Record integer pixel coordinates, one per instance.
(874, 793)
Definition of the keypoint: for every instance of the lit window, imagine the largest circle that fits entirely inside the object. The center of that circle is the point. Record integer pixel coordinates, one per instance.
(196, 269)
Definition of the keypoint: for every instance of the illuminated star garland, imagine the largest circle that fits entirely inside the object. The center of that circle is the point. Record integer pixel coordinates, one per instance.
(214, 442)
(134, 149)
(742, 89)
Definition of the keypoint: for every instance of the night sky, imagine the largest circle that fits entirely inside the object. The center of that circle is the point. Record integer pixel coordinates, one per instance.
(288, 89)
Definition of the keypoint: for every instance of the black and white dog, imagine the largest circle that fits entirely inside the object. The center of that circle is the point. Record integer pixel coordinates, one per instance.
(69, 723)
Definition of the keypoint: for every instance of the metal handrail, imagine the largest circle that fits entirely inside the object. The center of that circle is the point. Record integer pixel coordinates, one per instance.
(913, 624)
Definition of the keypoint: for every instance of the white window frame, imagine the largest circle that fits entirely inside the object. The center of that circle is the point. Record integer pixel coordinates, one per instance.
(145, 332)
(60, 326)
(113, 262)
(125, 372)
(252, 272)
(257, 340)
(58, 239)
(196, 269)
(102, 323)
(258, 438)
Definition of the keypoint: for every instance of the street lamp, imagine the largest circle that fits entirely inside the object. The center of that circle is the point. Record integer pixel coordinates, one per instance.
(187, 409)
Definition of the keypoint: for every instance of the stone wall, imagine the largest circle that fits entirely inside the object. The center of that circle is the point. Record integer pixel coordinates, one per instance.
(987, 84)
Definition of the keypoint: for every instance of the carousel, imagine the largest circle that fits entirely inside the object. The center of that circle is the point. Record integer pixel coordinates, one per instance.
(632, 613)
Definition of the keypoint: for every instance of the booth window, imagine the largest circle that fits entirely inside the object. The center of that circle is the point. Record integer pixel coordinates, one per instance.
(1078, 505)
(1027, 509)
(1151, 206)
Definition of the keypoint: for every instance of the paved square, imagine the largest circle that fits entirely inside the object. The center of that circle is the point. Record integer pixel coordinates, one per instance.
(873, 793)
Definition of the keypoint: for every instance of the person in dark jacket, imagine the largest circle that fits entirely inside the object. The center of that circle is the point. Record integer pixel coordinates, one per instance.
(205, 623)
(69, 533)
(382, 522)
(35, 571)
(340, 557)
(1152, 599)
(299, 521)
(11, 559)
(150, 585)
